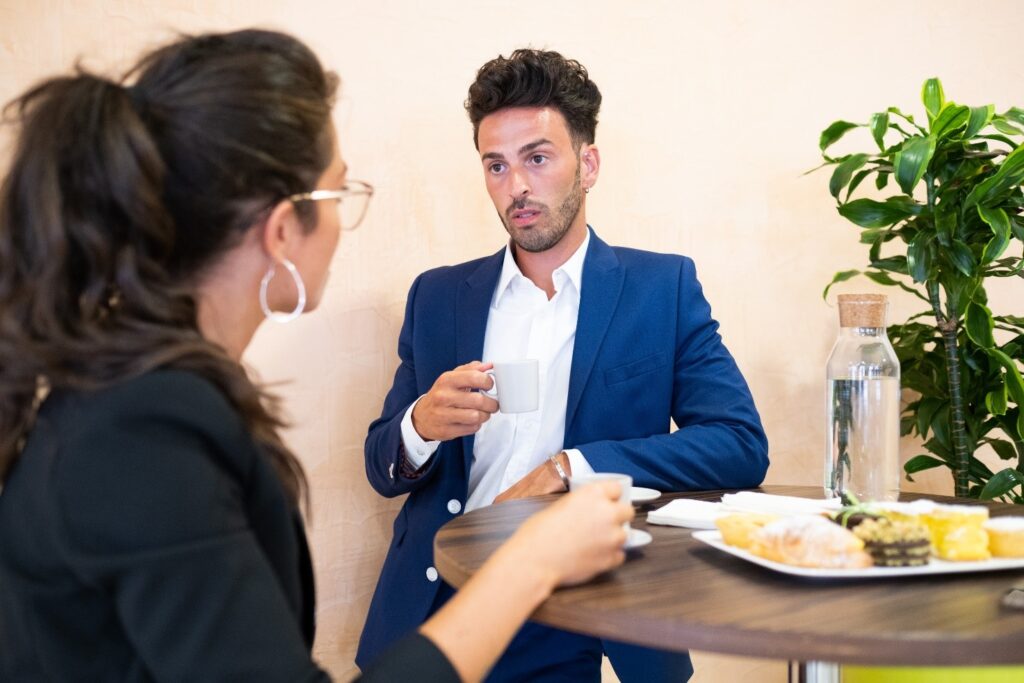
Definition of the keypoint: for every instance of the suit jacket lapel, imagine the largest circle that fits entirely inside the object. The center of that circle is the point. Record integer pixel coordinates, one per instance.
(602, 284)
(472, 305)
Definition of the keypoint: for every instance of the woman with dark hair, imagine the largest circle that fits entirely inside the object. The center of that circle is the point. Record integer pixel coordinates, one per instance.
(149, 524)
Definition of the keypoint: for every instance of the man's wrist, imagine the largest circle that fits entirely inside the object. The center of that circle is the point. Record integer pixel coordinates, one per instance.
(560, 463)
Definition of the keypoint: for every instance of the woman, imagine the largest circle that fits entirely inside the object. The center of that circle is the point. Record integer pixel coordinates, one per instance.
(149, 524)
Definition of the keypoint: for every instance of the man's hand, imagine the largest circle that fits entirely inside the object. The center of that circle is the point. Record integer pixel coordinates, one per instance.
(544, 479)
(453, 408)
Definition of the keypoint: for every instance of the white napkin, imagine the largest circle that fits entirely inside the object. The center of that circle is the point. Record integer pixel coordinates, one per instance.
(693, 514)
(751, 501)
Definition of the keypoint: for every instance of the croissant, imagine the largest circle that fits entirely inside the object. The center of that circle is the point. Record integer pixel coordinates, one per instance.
(810, 541)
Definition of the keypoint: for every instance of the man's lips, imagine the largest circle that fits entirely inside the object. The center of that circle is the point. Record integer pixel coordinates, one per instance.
(522, 217)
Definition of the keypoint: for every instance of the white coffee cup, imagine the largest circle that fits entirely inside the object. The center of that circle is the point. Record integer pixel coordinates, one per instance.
(577, 482)
(516, 385)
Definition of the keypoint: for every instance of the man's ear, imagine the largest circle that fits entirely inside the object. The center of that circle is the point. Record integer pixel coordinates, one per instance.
(279, 230)
(590, 165)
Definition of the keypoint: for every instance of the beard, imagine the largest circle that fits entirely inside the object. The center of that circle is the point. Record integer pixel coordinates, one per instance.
(550, 228)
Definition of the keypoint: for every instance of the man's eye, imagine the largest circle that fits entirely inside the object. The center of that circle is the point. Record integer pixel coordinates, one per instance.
(538, 159)
(496, 168)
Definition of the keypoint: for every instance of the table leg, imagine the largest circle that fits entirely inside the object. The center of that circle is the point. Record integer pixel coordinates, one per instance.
(814, 672)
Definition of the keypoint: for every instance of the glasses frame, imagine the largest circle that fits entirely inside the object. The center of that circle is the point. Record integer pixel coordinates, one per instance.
(353, 188)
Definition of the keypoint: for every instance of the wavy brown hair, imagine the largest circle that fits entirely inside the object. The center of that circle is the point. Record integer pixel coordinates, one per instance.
(536, 78)
(120, 193)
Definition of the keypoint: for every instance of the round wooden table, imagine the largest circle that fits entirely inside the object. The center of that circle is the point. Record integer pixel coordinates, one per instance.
(680, 594)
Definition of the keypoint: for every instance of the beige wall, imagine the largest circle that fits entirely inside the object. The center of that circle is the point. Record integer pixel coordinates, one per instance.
(712, 113)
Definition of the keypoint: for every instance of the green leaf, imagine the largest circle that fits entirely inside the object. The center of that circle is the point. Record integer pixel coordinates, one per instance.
(869, 213)
(1009, 175)
(840, 277)
(920, 463)
(1000, 224)
(919, 257)
(1001, 483)
(912, 161)
(996, 400)
(926, 410)
(979, 325)
(881, 278)
(945, 225)
(951, 119)
(933, 97)
(857, 180)
(1005, 127)
(878, 124)
(1004, 449)
(980, 117)
(844, 171)
(962, 257)
(881, 180)
(830, 135)
(1014, 385)
(1015, 114)
(894, 264)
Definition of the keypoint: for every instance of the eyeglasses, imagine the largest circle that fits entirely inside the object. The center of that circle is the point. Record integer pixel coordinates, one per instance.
(355, 195)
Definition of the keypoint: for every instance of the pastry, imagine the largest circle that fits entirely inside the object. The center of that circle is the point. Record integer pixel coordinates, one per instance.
(1005, 536)
(738, 529)
(895, 544)
(810, 541)
(957, 532)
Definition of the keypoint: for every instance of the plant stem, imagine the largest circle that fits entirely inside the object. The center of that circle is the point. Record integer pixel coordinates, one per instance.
(947, 324)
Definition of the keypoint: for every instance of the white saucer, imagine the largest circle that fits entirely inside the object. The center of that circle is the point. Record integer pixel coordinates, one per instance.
(638, 538)
(639, 494)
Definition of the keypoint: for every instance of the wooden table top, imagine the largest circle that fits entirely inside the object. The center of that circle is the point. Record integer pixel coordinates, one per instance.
(680, 594)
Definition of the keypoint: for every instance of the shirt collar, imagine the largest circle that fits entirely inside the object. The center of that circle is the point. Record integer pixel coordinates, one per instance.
(572, 270)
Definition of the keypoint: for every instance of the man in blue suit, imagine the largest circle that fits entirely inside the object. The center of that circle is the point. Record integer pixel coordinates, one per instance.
(625, 343)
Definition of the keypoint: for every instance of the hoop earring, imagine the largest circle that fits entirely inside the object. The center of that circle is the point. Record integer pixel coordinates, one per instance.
(276, 316)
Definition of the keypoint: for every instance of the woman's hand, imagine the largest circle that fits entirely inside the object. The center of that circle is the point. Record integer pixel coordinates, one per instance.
(576, 538)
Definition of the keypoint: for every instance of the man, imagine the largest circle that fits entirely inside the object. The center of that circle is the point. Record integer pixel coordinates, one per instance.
(625, 341)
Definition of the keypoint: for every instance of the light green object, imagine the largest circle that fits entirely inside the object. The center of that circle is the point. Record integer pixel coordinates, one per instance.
(937, 674)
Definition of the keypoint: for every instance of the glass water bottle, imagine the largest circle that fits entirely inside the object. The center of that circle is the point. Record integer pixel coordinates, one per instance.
(863, 404)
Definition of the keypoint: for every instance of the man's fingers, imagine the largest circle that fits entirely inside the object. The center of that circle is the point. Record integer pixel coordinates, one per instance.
(467, 416)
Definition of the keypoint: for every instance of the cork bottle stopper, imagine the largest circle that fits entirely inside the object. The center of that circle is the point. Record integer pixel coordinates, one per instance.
(862, 310)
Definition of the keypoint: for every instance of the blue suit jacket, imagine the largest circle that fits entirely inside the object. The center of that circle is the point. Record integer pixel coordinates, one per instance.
(646, 350)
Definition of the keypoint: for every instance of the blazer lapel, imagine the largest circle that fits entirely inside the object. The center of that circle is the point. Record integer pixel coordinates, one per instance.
(602, 284)
(472, 306)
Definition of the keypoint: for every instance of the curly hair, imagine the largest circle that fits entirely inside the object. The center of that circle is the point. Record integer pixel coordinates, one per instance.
(536, 78)
(119, 195)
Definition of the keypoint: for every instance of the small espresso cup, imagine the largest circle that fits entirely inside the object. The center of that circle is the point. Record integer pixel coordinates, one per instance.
(516, 385)
(577, 482)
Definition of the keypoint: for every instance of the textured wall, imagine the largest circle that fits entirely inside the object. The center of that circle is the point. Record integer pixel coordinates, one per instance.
(712, 113)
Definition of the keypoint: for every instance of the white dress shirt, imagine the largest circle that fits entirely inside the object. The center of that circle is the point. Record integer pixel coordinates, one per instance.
(522, 323)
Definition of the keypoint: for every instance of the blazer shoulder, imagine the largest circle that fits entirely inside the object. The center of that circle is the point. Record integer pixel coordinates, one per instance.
(166, 393)
(155, 460)
(659, 262)
(447, 279)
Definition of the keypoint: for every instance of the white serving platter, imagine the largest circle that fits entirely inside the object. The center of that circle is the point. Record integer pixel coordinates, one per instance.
(934, 567)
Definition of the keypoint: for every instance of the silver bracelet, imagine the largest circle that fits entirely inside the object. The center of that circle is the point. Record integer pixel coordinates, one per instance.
(560, 470)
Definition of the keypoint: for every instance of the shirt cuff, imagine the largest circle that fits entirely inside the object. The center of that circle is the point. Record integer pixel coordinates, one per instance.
(417, 451)
(578, 465)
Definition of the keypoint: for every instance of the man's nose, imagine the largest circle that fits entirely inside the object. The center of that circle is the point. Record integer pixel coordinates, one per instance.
(520, 187)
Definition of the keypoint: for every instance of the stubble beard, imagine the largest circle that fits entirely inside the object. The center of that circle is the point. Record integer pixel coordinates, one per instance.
(549, 229)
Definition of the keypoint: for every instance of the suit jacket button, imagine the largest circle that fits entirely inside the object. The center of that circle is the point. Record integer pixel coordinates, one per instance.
(454, 506)
(431, 574)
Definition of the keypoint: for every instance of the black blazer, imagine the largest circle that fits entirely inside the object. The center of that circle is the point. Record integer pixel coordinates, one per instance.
(144, 536)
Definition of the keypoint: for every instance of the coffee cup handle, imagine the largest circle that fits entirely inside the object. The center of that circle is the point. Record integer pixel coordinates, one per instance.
(493, 392)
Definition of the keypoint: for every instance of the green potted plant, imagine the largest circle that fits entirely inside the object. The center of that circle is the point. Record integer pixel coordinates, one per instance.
(944, 218)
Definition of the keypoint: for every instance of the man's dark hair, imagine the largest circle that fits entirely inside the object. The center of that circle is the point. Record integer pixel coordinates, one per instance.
(536, 78)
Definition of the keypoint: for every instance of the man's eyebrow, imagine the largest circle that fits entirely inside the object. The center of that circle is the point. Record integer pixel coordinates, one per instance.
(533, 145)
(528, 147)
